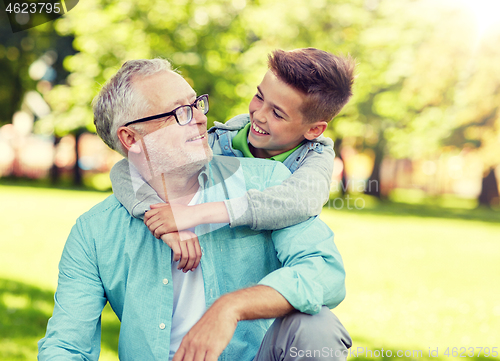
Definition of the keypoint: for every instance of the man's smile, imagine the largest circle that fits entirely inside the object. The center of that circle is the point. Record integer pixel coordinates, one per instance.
(198, 137)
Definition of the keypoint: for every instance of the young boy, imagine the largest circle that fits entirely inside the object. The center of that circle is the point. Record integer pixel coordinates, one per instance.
(300, 93)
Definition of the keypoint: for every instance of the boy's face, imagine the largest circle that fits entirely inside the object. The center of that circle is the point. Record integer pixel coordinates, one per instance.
(277, 123)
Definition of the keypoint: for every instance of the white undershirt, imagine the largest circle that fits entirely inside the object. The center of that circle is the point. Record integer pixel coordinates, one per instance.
(189, 299)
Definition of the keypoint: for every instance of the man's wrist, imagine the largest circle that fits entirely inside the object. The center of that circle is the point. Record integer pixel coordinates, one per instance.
(228, 305)
(254, 303)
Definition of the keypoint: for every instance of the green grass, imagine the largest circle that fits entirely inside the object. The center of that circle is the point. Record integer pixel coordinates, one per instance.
(34, 224)
(417, 281)
(418, 276)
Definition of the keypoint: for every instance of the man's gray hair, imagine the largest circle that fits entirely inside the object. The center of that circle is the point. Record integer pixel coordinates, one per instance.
(119, 102)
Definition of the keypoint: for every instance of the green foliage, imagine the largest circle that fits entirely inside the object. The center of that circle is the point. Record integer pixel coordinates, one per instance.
(423, 79)
(17, 52)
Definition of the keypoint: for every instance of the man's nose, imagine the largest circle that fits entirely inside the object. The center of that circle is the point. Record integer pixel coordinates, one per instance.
(199, 117)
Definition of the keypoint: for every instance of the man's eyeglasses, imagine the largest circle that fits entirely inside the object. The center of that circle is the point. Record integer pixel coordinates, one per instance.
(183, 114)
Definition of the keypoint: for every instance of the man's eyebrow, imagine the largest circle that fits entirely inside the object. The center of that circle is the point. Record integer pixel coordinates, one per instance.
(274, 105)
(178, 103)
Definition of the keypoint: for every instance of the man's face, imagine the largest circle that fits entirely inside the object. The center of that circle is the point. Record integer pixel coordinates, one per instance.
(277, 123)
(169, 147)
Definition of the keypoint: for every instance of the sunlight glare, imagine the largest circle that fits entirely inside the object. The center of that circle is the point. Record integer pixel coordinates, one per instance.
(486, 13)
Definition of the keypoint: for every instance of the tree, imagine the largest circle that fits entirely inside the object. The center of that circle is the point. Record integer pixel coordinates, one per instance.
(409, 62)
(18, 51)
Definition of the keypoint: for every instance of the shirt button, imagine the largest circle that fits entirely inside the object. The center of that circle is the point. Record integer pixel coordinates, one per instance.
(162, 326)
(165, 281)
(226, 147)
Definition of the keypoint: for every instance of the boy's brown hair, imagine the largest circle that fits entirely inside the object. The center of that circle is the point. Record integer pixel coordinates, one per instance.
(324, 78)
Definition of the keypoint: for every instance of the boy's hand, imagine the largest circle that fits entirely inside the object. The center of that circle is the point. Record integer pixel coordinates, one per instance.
(160, 219)
(186, 248)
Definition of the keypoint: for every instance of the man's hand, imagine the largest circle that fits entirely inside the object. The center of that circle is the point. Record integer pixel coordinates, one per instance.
(210, 335)
(186, 248)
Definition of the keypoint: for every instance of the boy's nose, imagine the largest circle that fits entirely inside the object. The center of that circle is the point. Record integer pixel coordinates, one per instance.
(260, 115)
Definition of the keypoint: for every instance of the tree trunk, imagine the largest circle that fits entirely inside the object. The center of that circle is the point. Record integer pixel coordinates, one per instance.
(373, 183)
(343, 180)
(77, 171)
(489, 191)
(54, 170)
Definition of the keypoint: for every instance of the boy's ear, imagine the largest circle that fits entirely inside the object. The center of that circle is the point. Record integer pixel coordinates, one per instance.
(315, 130)
(129, 138)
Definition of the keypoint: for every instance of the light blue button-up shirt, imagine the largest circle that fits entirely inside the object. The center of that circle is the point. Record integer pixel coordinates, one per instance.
(111, 257)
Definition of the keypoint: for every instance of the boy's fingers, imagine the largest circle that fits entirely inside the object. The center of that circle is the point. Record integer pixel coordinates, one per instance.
(159, 231)
(150, 217)
(162, 228)
(153, 227)
(159, 205)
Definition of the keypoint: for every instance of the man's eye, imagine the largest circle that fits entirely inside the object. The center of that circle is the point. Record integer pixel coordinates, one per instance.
(258, 96)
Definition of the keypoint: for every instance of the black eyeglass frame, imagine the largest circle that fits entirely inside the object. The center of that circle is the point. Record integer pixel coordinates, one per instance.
(174, 113)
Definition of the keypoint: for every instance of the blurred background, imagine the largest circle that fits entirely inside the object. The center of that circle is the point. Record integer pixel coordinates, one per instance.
(415, 200)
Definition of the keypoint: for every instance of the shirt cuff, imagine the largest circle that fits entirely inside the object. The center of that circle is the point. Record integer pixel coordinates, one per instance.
(239, 212)
(304, 296)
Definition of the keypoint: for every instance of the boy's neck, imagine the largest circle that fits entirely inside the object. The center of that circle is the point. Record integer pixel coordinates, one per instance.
(265, 154)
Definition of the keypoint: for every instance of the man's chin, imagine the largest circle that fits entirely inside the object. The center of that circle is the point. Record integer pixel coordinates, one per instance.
(195, 164)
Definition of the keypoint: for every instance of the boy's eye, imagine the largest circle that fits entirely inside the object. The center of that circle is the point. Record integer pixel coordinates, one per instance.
(258, 96)
(277, 115)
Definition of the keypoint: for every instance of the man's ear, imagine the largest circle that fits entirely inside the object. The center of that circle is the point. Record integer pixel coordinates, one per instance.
(129, 138)
(315, 130)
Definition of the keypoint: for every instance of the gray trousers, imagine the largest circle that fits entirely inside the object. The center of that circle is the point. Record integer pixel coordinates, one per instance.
(299, 336)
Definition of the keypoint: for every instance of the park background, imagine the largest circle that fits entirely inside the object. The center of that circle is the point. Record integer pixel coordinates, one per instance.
(414, 203)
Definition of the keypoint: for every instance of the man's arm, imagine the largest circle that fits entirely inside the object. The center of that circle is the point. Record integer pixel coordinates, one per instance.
(211, 334)
(312, 276)
(313, 273)
(74, 330)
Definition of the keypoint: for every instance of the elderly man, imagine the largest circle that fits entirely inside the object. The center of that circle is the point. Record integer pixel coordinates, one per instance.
(225, 308)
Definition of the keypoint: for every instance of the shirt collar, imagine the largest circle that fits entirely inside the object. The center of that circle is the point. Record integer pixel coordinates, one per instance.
(204, 176)
(240, 142)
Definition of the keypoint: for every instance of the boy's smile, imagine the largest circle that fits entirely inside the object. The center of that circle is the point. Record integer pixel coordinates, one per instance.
(277, 122)
(258, 130)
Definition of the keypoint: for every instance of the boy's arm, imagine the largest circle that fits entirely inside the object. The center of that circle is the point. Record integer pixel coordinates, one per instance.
(136, 202)
(295, 200)
(299, 197)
